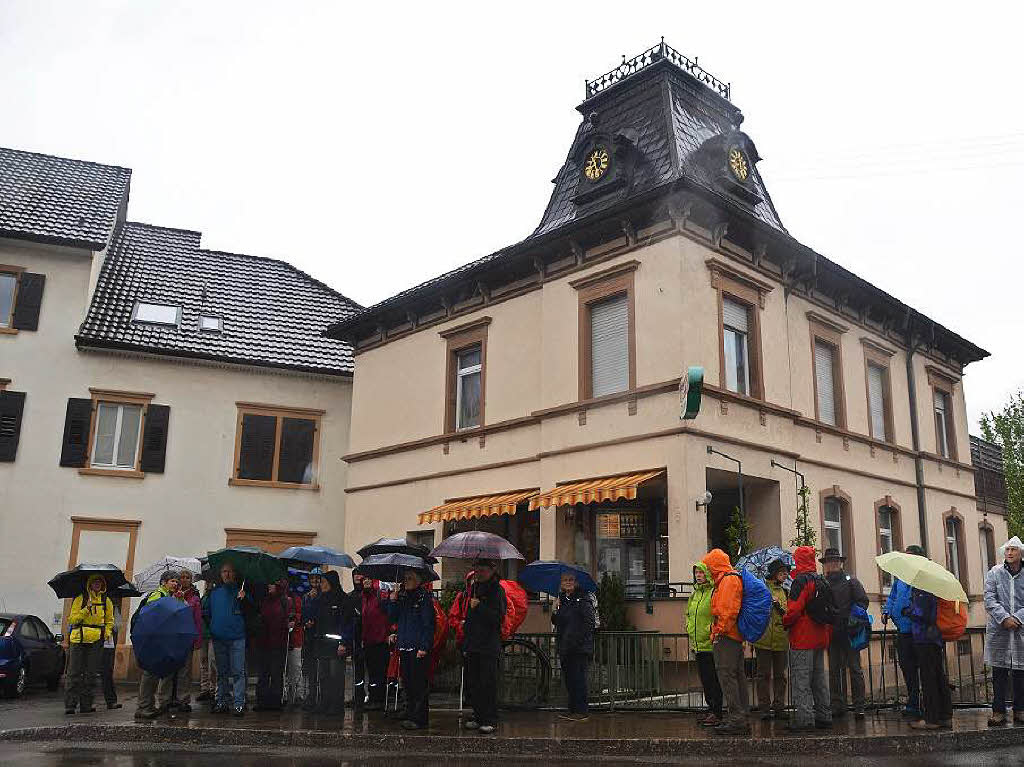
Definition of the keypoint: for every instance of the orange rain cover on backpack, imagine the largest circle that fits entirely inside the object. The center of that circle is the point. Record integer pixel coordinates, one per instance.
(515, 611)
(951, 619)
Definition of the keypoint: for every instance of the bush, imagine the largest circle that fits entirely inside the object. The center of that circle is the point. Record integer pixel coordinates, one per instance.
(611, 604)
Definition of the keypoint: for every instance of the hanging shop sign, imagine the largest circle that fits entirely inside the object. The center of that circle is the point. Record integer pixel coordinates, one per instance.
(691, 387)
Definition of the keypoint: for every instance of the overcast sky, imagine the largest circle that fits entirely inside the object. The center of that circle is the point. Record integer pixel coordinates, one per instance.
(376, 145)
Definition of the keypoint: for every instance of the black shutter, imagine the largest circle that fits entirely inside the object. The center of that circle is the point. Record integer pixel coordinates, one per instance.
(256, 448)
(28, 301)
(12, 403)
(76, 432)
(154, 438)
(296, 461)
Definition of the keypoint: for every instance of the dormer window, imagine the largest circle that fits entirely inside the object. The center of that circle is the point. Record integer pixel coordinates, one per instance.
(157, 314)
(210, 324)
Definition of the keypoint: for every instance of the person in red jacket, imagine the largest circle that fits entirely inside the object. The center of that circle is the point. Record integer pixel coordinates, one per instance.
(188, 594)
(370, 657)
(808, 640)
(272, 646)
(727, 643)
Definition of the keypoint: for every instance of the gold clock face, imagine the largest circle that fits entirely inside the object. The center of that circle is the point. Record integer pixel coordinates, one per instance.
(738, 164)
(596, 164)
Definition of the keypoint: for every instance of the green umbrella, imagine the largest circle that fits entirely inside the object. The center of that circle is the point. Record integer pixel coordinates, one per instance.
(251, 564)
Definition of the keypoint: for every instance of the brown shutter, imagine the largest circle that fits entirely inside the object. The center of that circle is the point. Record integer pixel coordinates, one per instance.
(296, 450)
(30, 298)
(154, 439)
(75, 449)
(256, 447)
(12, 404)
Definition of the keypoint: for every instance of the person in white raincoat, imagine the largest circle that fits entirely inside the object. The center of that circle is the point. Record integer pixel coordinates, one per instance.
(1004, 632)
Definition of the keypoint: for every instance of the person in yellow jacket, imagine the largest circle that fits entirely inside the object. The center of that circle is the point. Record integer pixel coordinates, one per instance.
(772, 649)
(90, 622)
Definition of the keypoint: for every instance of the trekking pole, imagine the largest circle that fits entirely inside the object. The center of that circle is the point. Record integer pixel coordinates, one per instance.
(462, 683)
(284, 673)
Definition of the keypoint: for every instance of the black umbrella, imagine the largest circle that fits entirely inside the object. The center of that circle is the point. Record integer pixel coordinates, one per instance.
(396, 546)
(127, 590)
(476, 544)
(388, 567)
(71, 583)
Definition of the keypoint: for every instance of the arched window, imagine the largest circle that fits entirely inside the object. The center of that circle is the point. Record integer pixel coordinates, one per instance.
(837, 523)
(988, 546)
(890, 534)
(956, 556)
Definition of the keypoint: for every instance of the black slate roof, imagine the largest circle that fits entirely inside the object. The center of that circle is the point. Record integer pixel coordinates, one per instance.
(57, 200)
(273, 314)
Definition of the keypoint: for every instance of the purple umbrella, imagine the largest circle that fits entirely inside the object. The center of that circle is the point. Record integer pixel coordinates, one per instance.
(476, 544)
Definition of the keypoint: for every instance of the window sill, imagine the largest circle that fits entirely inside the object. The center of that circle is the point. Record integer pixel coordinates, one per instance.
(8, 331)
(235, 482)
(123, 473)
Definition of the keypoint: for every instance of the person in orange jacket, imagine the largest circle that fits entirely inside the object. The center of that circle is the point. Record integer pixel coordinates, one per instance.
(727, 644)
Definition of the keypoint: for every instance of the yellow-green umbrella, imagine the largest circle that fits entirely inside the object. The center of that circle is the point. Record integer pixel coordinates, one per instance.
(923, 574)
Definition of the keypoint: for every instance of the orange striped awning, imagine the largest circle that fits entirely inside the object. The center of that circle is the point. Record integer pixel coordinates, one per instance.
(623, 486)
(481, 506)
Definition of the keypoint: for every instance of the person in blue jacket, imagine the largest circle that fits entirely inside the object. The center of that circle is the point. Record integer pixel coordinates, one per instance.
(224, 614)
(412, 608)
(936, 700)
(895, 607)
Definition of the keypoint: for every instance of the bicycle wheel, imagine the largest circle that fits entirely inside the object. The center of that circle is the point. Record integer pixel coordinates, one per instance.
(524, 675)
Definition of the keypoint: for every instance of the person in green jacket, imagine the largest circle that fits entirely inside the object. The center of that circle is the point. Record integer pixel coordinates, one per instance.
(698, 628)
(772, 649)
(154, 691)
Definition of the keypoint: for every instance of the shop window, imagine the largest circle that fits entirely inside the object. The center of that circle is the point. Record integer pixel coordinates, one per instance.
(632, 544)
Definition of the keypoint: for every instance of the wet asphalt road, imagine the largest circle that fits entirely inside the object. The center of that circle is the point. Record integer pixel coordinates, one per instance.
(114, 755)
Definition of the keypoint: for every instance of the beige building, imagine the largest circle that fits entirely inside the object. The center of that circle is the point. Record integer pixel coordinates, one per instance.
(158, 398)
(535, 392)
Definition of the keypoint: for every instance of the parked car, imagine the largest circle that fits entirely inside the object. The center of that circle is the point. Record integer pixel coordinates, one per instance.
(29, 654)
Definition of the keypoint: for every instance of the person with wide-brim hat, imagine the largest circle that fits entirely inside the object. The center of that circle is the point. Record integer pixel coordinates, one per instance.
(843, 660)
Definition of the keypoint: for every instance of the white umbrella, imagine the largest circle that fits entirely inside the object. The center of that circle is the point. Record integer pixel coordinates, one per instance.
(149, 577)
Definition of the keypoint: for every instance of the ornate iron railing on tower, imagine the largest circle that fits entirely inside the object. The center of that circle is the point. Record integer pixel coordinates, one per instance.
(654, 54)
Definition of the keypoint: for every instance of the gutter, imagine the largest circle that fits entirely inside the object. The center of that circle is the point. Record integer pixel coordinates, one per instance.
(915, 433)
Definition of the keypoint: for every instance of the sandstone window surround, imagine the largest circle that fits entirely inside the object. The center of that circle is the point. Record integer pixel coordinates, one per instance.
(942, 388)
(890, 533)
(956, 553)
(465, 375)
(878, 388)
(827, 362)
(606, 331)
(277, 446)
(836, 517)
(988, 546)
(741, 297)
(21, 294)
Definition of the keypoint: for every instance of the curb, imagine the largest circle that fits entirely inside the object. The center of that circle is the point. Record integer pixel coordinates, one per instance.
(548, 747)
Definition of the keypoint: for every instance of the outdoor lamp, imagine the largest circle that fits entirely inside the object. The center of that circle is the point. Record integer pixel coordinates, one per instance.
(704, 501)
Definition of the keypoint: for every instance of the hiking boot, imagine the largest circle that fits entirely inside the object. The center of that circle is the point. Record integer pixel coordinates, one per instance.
(1018, 717)
(205, 695)
(238, 711)
(921, 724)
(145, 714)
(858, 715)
(767, 716)
(911, 713)
(711, 720)
(823, 724)
(997, 720)
(408, 724)
(88, 710)
(111, 706)
(219, 708)
(486, 729)
(70, 710)
(472, 724)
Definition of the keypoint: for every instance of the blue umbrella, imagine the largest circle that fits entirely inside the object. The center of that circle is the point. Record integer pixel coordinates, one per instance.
(317, 555)
(162, 636)
(547, 576)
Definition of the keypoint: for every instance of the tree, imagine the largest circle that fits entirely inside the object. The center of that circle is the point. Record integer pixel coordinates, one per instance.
(1006, 429)
(806, 535)
(611, 604)
(737, 534)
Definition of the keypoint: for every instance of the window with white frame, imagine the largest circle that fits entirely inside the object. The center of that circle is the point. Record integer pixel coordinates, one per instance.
(609, 345)
(953, 545)
(468, 371)
(942, 423)
(834, 525)
(735, 336)
(886, 538)
(157, 314)
(210, 323)
(116, 441)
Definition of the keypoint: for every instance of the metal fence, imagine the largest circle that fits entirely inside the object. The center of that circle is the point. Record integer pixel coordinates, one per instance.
(635, 670)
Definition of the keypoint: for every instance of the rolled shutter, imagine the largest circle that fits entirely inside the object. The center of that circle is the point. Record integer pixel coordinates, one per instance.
(824, 374)
(256, 447)
(154, 438)
(75, 449)
(12, 405)
(30, 298)
(735, 315)
(609, 346)
(876, 401)
(295, 463)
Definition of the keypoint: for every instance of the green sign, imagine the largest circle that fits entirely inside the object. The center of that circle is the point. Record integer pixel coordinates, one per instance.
(691, 386)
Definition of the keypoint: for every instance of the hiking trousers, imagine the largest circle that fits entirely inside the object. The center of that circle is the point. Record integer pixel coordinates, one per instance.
(771, 678)
(84, 661)
(936, 699)
(709, 681)
(810, 687)
(482, 681)
(574, 672)
(906, 653)
(843, 659)
(729, 664)
(1000, 682)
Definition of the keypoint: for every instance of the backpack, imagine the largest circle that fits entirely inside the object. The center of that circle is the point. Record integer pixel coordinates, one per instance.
(951, 619)
(440, 625)
(755, 607)
(515, 612)
(859, 628)
(821, 607)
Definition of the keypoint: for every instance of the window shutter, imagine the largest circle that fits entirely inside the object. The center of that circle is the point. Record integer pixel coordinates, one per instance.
(154, 439)
(30, 298)
(735, 315)
(824, 375)
(12, 404)
(876, 401)
(75, 449)
(609, 346)
(296, 460)
(256, 451)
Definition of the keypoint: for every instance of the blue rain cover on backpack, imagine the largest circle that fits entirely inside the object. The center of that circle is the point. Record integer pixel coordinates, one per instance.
(860, 628)
(755, 609)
